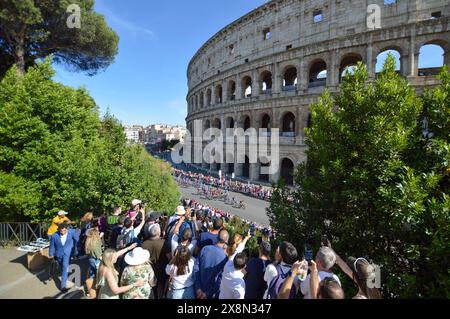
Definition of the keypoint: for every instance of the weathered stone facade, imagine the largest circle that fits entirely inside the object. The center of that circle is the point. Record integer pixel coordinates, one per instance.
(264, 69)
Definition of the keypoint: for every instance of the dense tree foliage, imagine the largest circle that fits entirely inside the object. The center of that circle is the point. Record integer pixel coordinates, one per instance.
(377, 181)
(56, 153)
(32, 30)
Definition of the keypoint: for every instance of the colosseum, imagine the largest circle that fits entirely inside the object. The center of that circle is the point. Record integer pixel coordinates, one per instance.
(264, 69)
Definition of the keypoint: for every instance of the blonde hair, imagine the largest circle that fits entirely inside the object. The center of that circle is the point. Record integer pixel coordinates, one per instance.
(92, 239)
(237, 239)
(107, 263)
(87, 217)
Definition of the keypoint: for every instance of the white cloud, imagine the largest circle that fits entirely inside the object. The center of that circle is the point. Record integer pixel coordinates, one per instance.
(129, 26)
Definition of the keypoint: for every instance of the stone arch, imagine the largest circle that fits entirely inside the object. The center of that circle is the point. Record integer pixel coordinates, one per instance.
(247, 86)
(265, 121)
(231, 94)
(218, 93)
(229, 122)
(208, 97)
(287, 170)
(245, 122)
(266, 81)
(206, 124)
(202, 100)
(318, 73)
(383, 54)
(439, 49)
(349, 61)
(288, 124)
(290, 78)
(216, 123)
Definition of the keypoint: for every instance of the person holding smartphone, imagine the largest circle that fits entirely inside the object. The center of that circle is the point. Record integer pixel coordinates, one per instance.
(325, 260)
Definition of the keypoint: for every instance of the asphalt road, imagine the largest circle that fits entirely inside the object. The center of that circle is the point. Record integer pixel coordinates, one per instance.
(255, 209)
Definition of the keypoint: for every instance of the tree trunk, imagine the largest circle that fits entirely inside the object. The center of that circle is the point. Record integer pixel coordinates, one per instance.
(19, 56)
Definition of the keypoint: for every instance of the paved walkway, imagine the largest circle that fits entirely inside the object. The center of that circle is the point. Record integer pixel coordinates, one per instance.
(17, 282)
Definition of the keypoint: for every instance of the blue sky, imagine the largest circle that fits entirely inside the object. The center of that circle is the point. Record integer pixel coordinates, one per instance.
(147, 83)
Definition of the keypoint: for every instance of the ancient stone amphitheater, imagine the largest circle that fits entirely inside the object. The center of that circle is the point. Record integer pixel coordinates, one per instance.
(264, 69)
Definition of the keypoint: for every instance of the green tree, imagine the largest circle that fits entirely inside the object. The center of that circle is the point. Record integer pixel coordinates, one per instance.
(56, 153)
(32, 30)
(374, 184)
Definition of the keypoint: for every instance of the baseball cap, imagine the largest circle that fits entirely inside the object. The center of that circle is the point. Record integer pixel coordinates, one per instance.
(62, 213)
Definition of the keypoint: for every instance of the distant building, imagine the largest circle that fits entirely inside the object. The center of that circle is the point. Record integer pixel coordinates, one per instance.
(134, 133)
(162, 132)
(153, 133)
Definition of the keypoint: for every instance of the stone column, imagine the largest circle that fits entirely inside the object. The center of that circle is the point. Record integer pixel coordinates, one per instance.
(333, 71)
(413, 61)
(254, 172)
(303, 76)
(371, 62)
(447, 58)
(277, 79)
(239, 92)
(224, 91)
(404, 60)
(256, 85)
(213, 94)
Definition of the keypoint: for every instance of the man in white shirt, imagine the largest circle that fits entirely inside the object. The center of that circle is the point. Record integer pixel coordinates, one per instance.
(325, 260)
(232, 285)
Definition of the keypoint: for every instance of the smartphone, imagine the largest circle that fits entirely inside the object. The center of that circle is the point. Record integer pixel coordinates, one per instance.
(193, 212)
(308, 252)
(252, 230)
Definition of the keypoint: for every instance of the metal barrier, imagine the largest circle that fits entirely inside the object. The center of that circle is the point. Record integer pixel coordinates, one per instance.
(18, 234)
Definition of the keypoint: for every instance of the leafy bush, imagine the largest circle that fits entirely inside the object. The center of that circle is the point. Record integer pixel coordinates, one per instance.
(56, 153)
(374, 183)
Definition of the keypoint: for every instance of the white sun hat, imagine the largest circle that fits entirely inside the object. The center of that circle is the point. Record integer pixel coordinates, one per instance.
(180, 211)
(137, 256)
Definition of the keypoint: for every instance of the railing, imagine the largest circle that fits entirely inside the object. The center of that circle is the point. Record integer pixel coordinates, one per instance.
(429, 71)
(289, 88)
(317, 83)
(18, 234)
(287, 134)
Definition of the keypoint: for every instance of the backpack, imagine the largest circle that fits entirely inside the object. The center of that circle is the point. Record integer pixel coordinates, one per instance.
(124, 239)
(277, 282)
(170, 229)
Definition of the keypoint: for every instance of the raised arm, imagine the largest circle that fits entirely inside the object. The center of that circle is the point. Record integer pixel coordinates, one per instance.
(138, 229)
(125, 250)
(344, 267)
(314, 280)
(285, 290)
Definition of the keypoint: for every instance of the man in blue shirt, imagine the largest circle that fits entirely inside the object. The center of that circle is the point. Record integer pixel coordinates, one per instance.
(209, 267)
(211, 236)
(62, 244)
